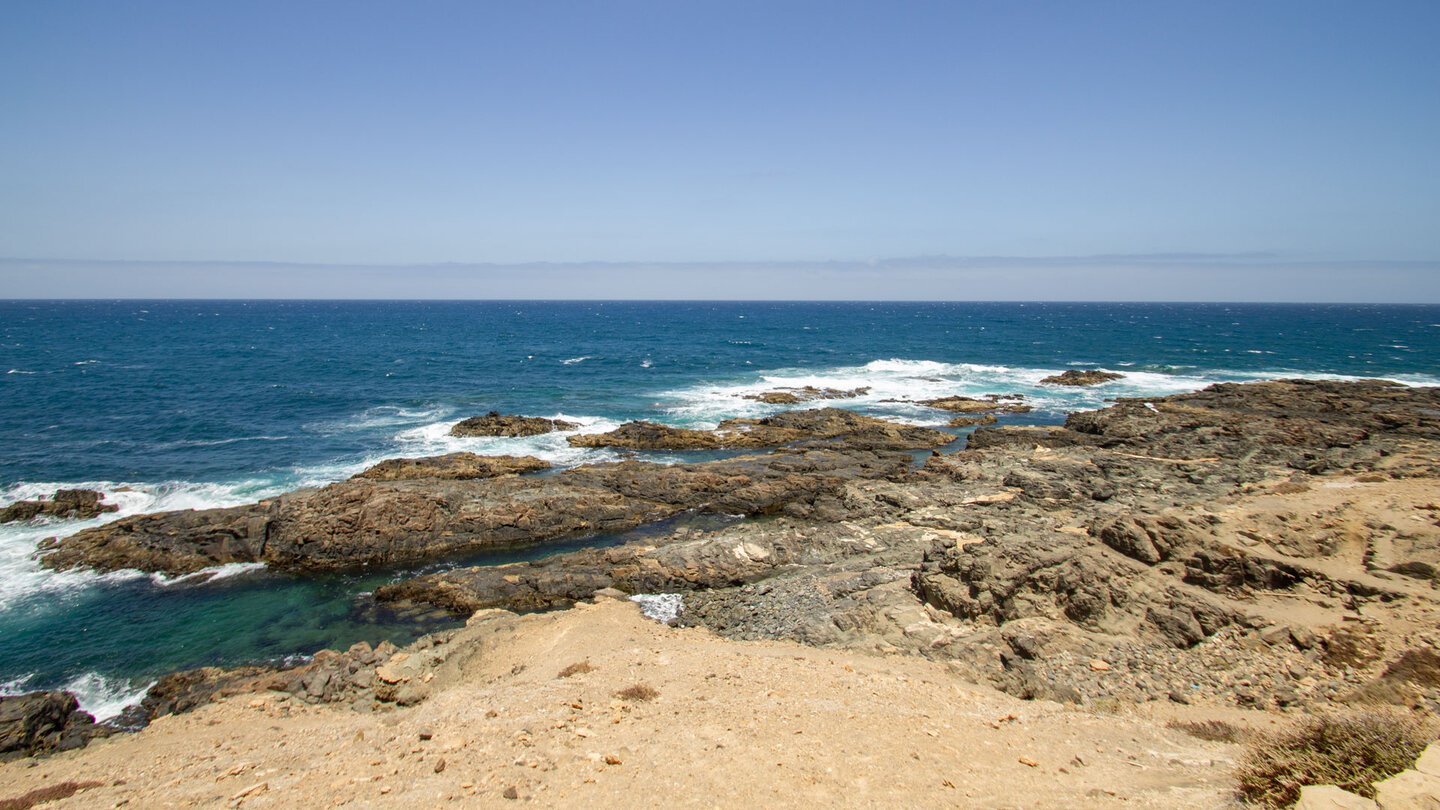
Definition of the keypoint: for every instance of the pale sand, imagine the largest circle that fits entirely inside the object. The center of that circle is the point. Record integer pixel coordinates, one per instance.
(763, 724)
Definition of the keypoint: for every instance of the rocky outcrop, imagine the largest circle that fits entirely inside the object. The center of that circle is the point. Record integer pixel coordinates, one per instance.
(1075, 377)
(78, 504)
(992, 403)
(808, 393)
(453, 467)
(495, 423)
(361, 522)
(42, 723)
(689, 562)
(838, 428)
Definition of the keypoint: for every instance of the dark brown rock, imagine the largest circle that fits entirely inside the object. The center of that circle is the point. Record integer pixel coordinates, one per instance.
(809, 393)
(498, 424)
(958, 404)
(78, 504)
(453, 466)
(840, 428)
(43, 723)
(361, 522)
(1077, 377)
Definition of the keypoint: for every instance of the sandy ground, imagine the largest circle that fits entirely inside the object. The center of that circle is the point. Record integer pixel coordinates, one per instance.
(733, 724)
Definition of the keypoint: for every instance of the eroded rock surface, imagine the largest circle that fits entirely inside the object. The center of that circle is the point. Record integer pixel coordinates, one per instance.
(808, 393)
(453, 466)
(77, 504)
(495, 423)
(43, 723)
(1077, 377)
(839, 428)
(362, 522)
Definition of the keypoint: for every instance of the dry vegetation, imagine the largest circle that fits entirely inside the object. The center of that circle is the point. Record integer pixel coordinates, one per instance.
(1351, 751)
(638, 691)
(577, 668)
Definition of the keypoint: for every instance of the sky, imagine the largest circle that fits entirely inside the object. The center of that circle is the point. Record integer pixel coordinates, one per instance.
(749, 150)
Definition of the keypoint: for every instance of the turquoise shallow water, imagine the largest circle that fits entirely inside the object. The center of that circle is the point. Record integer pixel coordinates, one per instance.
(195, 404)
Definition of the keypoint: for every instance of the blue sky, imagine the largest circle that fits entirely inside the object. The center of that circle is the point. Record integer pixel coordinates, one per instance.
(1072, 149)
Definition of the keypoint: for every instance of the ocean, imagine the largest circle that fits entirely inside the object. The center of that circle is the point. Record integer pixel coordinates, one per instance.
(193, 404)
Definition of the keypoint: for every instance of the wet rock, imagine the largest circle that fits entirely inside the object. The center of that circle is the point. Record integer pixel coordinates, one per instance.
(72, 504)
(971, 405)
(1076, 377)
(808, 393)
(453, 466)
(839, 428)
(361, 522)
(498, 424)
(41, 723)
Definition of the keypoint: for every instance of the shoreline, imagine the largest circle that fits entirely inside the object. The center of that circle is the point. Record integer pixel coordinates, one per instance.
(1265, 549)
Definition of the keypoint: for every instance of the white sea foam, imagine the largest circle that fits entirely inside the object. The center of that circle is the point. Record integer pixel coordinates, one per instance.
(103, 697)
(662, 607)
(21, 576)
(435, 439)
(572, 361)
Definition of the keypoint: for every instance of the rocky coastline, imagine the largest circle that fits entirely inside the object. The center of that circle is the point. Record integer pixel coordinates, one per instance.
(1249, 547)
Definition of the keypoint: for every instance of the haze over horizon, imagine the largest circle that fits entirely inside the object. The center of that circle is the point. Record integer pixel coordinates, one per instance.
(1222, 151)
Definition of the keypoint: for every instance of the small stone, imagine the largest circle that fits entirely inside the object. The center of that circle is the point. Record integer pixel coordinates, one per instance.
(511, 793)
(611, 759)
(1176, 696)
(426, 733)
(1099, 665)
(440, 765)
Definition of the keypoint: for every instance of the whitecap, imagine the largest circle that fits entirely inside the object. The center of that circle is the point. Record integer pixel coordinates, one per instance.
(105, 697)
(572, 361)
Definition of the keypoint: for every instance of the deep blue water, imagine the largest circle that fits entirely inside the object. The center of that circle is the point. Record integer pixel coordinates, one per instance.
(204, 403)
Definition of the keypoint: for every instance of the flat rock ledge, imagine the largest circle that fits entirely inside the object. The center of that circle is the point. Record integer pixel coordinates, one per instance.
(495, 423)
(839, 429)
(363, 522)
(1075, 377)
(452, 467)
(990, 404)
(808, 393)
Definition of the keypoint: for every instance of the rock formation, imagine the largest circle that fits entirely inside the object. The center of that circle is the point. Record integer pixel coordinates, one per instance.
(362, 522)
(838, 428)
(808, 393)
(453, 466)
(498, 424)
(1076, 377)
(43, 723)
(80, 504)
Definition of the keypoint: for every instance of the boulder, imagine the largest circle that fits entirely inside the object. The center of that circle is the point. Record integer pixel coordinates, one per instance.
(498, 424)
(43, 723)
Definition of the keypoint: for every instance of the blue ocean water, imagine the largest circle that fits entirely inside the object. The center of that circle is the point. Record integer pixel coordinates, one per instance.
(181, 404)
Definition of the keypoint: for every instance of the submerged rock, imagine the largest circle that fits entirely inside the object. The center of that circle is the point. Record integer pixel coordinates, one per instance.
(79, 504)
(453, 466)
(495, 423)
